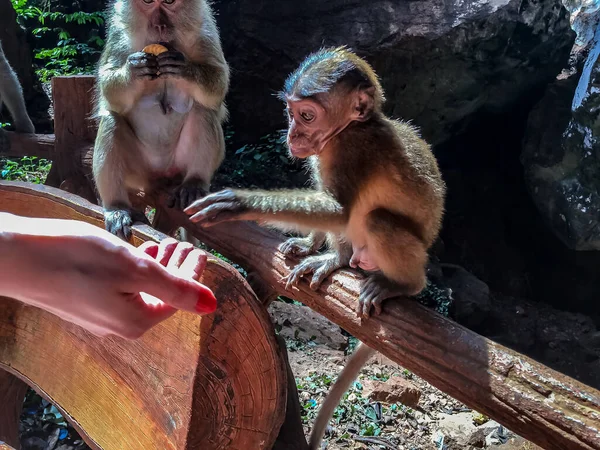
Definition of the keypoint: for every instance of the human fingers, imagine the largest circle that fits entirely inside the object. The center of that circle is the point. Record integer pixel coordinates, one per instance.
(165, 250)
(194, 264)
(179, 255)
(150, 248)
(175, 288)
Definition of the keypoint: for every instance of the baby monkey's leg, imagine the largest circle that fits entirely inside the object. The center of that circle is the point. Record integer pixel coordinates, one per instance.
(401, 256)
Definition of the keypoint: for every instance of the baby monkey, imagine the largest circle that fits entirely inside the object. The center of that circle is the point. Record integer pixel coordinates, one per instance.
(378, 200)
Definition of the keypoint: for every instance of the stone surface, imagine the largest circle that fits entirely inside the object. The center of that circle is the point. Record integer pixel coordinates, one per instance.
(395, 389)
(561, 155)
(441, 62)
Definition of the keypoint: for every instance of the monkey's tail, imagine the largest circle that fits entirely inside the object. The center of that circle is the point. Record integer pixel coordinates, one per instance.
(347, 376)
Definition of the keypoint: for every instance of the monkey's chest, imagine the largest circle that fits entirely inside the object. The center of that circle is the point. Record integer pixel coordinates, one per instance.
(166, 100)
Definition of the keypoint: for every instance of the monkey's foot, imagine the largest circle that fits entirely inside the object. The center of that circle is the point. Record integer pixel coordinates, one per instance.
(186, 194)
(375, 290)
(298, 247)
(321, 266)
(119, 221)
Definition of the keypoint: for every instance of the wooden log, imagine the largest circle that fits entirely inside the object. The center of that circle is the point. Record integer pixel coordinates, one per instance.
(74, 127)
(12, 395)
(21, 144)
(212, 382)
(540, 404)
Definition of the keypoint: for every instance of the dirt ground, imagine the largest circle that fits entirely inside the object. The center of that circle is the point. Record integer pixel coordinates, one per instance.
(316, 349)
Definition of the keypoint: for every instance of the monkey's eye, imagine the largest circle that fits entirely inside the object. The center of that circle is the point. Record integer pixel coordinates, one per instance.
(169, 2)
(307, 116)
(148, 1)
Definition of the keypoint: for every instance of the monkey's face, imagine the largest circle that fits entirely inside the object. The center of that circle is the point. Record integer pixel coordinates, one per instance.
(160, 15)
(312, 124)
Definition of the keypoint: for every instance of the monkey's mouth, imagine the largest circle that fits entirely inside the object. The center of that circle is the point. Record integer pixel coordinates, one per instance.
(300, 151)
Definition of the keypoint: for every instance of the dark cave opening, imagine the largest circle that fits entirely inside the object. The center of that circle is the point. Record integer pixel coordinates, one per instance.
(492, 227)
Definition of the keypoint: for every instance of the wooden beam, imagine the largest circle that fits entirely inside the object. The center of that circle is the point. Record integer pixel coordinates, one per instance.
(12, 395)
(19, 144)
(74, 126)
(212, 382)
(536, 402)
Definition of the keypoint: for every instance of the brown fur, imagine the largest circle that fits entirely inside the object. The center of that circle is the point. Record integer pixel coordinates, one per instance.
(148, 131)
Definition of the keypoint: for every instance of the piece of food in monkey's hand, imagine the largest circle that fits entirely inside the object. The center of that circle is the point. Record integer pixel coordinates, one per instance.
(155, 49)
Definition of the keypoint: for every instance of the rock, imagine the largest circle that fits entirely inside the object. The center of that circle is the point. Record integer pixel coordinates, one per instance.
(561, 152)
(471, 295)
(394, 390)
(441, 62)
(477, 439)
(463, 431)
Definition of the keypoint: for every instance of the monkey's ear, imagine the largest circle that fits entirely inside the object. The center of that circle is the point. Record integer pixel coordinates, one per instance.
(364, 103)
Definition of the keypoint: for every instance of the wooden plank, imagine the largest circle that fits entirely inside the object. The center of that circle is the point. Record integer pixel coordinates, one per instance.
(74, 126)
(20, 144)
(212, 382)
(540, 404)
(12, 394)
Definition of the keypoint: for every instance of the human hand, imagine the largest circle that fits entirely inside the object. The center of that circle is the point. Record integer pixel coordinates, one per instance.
(89, 277)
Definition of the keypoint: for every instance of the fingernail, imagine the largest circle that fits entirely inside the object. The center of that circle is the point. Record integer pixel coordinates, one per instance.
(207, 303)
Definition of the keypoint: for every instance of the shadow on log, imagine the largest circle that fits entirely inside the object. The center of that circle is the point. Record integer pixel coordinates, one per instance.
(540, 404)
(212, 382)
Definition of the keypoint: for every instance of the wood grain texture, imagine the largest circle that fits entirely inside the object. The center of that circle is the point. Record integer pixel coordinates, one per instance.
(12, 394)
(216, 382)
(4, 446)
(20, 144)
(74, 126)
(540, 404)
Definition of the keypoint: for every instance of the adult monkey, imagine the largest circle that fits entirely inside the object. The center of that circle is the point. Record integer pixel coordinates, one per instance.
(11, 95)
(379, 192)
(161, 113)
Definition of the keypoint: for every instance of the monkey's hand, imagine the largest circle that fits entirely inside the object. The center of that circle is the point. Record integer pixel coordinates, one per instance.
(119, 221)
(186, 194)
(223, 206)
(171, 63)
(143, 65)
(321, 266)
(375, 290)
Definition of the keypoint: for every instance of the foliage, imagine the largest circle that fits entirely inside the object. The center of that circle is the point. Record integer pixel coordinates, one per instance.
(75, 37)
(28, 168)
(264, 164)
